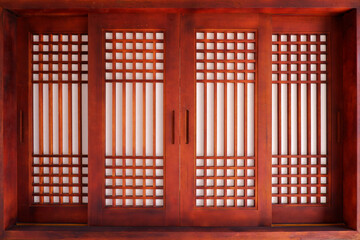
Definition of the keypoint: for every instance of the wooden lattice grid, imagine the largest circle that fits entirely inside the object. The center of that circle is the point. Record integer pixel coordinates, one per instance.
(225, 167)
(134, 78)
(300, 173)
(59, 74)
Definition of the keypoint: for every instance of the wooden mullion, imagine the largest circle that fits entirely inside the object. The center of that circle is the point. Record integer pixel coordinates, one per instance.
(70, 123)
(298, 86)
(225, 103)
(80, 125)
(289, 148)
(113, 85)
(236, 50)
(133, 101)
(308, 111)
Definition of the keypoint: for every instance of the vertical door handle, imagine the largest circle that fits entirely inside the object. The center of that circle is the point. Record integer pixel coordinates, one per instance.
(21, 126)
(338, 127)
(173, 127)
(187, 126)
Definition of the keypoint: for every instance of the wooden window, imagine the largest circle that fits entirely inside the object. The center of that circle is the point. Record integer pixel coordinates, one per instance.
(300, 161)
(225, 79)
(59, 92)
(134, 90)
(178, 118)
(221, 166)
(134, 98)
(135, 106)
(305, 162)
(54, 160)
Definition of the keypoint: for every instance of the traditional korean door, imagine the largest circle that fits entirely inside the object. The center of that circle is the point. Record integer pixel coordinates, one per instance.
(169, 119)
(225, 175)
(133, 114)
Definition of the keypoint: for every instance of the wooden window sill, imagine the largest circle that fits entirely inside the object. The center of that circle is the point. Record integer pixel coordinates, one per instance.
(85, 232)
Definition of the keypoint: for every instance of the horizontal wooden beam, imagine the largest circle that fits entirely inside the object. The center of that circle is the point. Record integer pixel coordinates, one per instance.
(61, 232)
(196, 4)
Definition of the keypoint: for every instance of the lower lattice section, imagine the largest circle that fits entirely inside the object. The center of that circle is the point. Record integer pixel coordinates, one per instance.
(134, 182)
(59, 180)
(300, 180)
(225, 182)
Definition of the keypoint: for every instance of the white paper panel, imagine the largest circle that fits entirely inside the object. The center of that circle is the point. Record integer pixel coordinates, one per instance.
(220, 119)
(274, 116)
(129, 119)
(139, 119)
(241, 119)
(284, 120)
(149, 119)
(84, 118)
(250, 120)
(108, 119)
(65, 119)
(210, 119)
(159, 119)
(36, 118)
(323, 113)
(46, 113)
(74, 116)
(303, 119)
(313, 118)
(118, 118)
(293, 119)
(199, 119)
(55, 117)
(230, 120)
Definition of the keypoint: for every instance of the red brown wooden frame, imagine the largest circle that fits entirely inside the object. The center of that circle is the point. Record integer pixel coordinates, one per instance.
(348, 17)
(331, 212)
(26, 211)
(98, 213)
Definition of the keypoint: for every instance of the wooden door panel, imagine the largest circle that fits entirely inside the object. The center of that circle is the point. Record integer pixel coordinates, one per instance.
(135, 84)
(53, 156)
(222, 183)
(305, 163)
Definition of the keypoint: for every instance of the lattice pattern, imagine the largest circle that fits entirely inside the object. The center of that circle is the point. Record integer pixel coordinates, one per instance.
(226, 56)
(59, 80)
(300, 172)
(225, 118)
(134, 78)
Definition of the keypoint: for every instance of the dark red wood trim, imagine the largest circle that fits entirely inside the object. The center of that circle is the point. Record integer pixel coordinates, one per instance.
(9, 123)
(358, 113)
(26, 211)
(351, 117)
(2, 227)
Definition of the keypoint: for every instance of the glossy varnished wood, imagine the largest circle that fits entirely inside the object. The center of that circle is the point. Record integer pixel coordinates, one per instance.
(227, 4)
(9, 128)
(347, 115)
(27, 211)
(350, 117)
(46, 232)
(224, 216)
(332, 212)
(99, 214)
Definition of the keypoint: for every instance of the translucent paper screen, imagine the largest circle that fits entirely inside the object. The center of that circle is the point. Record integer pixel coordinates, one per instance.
(59, 116)
(225, 118)
(299, 119)
(134, 118)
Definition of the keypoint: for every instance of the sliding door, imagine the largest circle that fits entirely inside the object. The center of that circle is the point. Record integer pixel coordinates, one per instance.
(224, 170)
(306, 168)
(132, 116)
(52, 91)
(168, 119)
